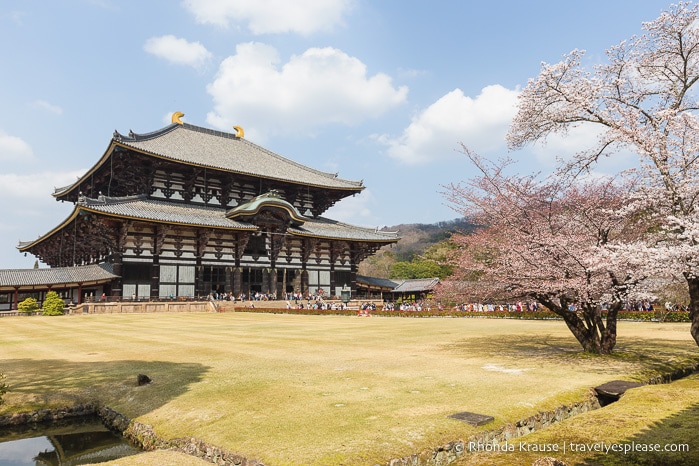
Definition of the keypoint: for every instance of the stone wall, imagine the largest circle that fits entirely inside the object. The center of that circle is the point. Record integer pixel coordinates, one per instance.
(47, 415)
(143, 307)
(144, 436)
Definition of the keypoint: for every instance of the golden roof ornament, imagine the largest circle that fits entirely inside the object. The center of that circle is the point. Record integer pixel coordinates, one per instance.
(176, 118)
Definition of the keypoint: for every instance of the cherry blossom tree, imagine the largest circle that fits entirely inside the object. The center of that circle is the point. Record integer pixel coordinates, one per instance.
(643, 98)
(549, 240)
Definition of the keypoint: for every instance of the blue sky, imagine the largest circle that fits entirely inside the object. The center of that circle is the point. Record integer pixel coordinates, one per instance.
(380, 91)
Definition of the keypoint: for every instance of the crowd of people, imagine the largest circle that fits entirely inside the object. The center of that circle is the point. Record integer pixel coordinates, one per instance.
(519, 306)
(317, 304)
(317, 300)
(411, 306)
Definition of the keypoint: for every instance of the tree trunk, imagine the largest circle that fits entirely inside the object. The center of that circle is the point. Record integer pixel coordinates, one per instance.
(594, 336)
(609, 333)
(693, 284)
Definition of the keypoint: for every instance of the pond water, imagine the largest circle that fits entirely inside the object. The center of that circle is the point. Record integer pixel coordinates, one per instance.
(82, 441)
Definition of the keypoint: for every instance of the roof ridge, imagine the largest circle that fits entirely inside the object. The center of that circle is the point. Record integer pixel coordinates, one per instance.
(102, 199)
(136, 137)
(388, 234)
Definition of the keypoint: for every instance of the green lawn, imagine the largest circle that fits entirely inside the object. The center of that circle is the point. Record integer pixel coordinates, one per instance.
(287, 389)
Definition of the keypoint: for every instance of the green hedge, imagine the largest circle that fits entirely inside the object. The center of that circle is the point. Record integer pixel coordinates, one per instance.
(303, 312)
(674, 316)
(539, 315)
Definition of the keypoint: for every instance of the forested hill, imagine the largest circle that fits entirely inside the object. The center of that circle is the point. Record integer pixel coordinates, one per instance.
(416, 238)
(405, 259)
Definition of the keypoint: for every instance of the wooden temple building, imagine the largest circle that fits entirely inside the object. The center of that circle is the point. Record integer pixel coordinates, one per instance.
(185, 211)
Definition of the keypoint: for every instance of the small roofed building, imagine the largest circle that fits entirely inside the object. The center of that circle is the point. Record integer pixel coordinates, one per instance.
(71, 283)
(374, 288)
(415, 289)
(186, 211)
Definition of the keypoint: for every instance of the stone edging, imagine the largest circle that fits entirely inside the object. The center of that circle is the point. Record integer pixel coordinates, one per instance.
(144, 436)
(47, 415)
(141, 435)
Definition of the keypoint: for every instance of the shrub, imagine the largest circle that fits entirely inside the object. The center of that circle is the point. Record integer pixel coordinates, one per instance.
(28, 306)
(53, 304)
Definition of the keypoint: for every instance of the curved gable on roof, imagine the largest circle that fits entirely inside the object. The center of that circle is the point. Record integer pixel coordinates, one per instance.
(268, 200)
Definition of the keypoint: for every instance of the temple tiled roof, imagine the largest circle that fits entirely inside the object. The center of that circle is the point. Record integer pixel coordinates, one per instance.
(326, 228)
(142, 208)
(225, 151)
(56, 276)
(377, 282)
(416, 284)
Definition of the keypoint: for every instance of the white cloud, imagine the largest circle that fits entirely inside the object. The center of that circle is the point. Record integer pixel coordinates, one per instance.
(48, 107)
(272, 16)
(34, 188)
(319, 87)
(435, 133)
(28, 201)
(178, 51)
(355, 210)
(13, 148)
(16, 17)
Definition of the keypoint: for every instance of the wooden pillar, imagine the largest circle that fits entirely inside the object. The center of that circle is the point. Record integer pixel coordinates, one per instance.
(272, 278)
(304, 280)
(332, 279)
(307, 248)
(265, 280)
(336, 250)
(240, 241)
(118, 282)
(155, 278)
(237, 281)
(200, 249)
(353, 277)
(273, 282)
(199, 279)
(80, 293)
(296, 281)
(228, 285)
(284, 282)
(16, 299)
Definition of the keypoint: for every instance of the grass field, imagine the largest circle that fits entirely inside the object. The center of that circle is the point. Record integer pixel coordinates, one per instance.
(321, 390)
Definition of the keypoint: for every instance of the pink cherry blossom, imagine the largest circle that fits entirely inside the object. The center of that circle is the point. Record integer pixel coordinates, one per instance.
(553, 240)
(644, 98)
